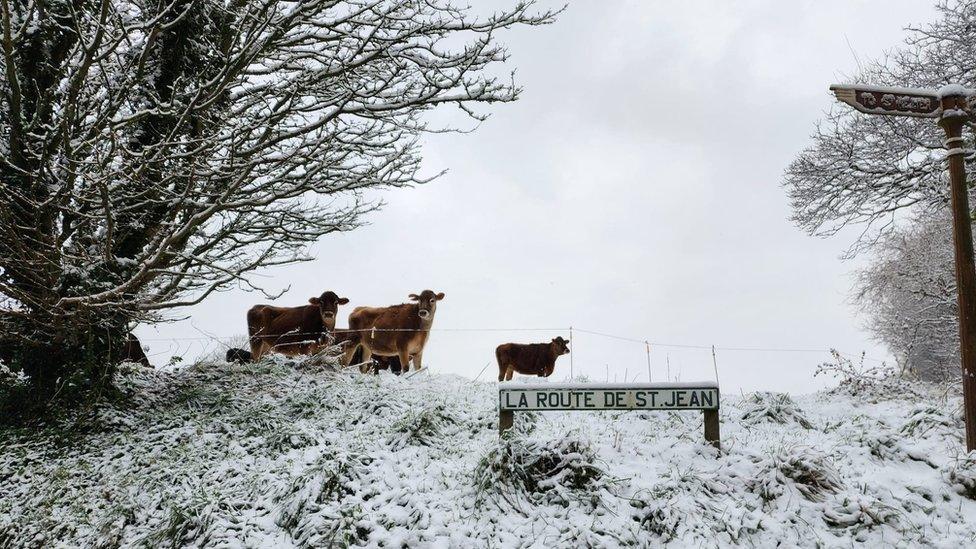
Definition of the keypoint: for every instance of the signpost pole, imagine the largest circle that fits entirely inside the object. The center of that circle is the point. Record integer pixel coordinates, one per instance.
(506, 418)
(951, 106)
(954, 117)
(712, 431)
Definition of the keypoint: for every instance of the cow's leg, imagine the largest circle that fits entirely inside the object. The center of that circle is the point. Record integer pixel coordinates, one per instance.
(367, 359)
(502, 370)
(255, 327)
(417, 361)
(258, 348)
(349, 353)
(405, 359)
(510, 373)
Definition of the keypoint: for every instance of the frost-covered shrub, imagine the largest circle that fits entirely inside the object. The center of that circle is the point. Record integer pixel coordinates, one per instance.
(888, 446)
(695, 505)
(525, 423)
(560, 470)
(186, 524)
(424, 428)
(961, 475)
(858, 512)
(310, 506)
(800, 468)
(872, 383)
(287, 437)
(924, 419)
(766, 407)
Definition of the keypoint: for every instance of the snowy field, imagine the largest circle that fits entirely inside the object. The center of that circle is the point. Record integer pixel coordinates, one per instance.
(292, 455)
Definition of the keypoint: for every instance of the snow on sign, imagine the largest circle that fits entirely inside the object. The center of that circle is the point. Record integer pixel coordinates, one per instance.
(539, 397)
(890, 101)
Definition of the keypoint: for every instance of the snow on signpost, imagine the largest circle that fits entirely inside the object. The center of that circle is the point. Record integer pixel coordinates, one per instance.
(539, 397)
(891, 101)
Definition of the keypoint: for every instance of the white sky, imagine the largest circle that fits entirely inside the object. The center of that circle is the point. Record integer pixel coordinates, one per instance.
(633, 190)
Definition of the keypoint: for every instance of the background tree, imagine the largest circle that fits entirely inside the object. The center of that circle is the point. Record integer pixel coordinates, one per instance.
(153, 152)
(909, 296)
(887, 175)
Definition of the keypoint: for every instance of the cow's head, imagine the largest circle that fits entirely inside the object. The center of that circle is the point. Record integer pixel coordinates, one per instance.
(560, 346)
(427, 300)
(328, 304)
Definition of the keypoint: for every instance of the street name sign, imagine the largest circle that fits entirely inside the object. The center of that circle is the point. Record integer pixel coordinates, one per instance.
(540, 397)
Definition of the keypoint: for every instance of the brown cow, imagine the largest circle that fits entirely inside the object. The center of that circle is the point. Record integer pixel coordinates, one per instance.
(293, 330)
(535, 359)
(132, 352)
(399, 330)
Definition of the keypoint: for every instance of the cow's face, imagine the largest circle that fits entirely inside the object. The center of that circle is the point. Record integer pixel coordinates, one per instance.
(560, 346)
(427, 301)
(328, 304)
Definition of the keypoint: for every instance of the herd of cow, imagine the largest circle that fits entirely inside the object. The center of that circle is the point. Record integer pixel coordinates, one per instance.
(377, 337)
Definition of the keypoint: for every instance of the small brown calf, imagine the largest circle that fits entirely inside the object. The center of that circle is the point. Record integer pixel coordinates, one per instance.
(535, 359)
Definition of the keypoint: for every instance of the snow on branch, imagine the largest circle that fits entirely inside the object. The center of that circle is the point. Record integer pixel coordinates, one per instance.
(152, 153)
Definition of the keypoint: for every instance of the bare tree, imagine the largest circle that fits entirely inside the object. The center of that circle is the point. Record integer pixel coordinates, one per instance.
(887, 176)
(909, 296)
(153, 152)
(866, 169)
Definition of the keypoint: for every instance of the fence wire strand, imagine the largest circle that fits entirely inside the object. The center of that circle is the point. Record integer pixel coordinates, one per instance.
(570, 330)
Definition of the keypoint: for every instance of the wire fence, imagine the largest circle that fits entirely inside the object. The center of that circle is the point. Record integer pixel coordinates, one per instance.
(209, 345)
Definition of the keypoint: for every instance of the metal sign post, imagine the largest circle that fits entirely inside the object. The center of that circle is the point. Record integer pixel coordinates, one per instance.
(950, 105)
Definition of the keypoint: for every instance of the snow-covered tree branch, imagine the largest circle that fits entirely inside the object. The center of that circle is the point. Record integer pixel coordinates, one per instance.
(154, 152)
(864, 170)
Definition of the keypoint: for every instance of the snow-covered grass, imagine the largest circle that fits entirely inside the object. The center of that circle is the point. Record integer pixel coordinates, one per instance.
(285, 454)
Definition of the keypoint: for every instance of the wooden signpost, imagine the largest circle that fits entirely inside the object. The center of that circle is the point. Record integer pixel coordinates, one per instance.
(951, 105)
(541, 397)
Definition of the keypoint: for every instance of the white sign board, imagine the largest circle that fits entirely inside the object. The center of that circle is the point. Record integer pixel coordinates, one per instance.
(607, 396)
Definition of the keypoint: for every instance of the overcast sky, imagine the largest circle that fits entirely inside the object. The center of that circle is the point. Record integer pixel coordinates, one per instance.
(633, 190)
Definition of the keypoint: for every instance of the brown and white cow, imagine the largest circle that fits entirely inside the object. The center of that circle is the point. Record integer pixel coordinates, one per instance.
(398, 330)
(534, 359)
(293, 330)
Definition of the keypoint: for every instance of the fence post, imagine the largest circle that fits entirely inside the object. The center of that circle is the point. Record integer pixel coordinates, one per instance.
(572, 373)
(648, 347)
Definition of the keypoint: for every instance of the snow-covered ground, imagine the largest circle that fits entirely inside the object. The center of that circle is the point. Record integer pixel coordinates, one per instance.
(291, 455)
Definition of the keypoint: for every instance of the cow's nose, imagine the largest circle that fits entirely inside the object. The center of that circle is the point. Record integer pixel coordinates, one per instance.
(424, 314)
(329, 315)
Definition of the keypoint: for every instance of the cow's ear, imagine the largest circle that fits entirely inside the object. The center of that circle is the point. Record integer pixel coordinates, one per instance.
(343, 300)
(414, 297)
(440, 296)
(314, 301)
